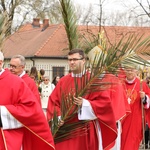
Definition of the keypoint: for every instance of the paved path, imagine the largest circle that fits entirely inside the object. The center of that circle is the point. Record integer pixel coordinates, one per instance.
(142, 147)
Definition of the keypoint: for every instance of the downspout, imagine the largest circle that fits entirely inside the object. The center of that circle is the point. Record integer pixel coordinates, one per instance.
(33, 61)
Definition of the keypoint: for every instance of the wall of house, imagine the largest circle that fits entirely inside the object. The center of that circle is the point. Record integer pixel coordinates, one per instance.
(46, 64)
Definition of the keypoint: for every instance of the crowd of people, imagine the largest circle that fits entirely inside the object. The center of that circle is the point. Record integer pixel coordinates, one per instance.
(115, 118)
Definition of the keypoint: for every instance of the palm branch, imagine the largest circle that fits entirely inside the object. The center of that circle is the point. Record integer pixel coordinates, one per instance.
(70, 20)
(128, 50)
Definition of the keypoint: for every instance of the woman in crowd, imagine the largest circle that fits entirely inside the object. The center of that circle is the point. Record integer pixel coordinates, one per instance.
(46, 89)
(34, 73)
(55, 80)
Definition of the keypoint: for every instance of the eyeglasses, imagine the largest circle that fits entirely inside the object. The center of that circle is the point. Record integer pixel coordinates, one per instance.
(45, 79)
(74, 59)
(13, 66)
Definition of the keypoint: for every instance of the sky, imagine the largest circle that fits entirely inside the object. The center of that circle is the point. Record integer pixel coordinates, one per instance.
(109, 5)
(129, 9)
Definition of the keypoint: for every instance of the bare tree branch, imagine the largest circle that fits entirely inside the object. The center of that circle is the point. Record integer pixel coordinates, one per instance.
(144, 8)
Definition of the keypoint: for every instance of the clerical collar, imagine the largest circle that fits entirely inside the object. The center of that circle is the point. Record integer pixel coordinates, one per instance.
(23, 73)
(2, 71)
(78, 75)
(130, 81)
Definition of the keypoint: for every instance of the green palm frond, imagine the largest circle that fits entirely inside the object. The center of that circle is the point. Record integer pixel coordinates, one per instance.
(68, 112)
(88, 42)
(54, 123)
(71, 130)
(70, 20)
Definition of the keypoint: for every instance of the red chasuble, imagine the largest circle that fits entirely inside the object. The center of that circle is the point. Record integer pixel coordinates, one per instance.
(118, 96)
(102, 107)
(21, 103)
(147, 116)
(132, 124)
(32, 85)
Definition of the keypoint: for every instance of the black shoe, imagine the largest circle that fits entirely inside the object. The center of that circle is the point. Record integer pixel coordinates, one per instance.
(146, 146)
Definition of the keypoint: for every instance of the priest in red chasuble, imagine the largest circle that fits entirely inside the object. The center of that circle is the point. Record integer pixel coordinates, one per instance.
(138, 98)
(22, 123)
(17, 67)
(100, 131)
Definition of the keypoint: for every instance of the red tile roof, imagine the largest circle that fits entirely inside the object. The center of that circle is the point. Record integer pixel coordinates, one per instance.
(33, 42)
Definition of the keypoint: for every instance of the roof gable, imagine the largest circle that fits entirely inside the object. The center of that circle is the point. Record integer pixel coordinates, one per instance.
(31, 42)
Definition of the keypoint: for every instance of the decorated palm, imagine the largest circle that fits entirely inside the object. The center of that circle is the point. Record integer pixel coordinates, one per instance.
(102, 57)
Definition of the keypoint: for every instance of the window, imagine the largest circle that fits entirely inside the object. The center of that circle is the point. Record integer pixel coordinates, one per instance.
(58, 71)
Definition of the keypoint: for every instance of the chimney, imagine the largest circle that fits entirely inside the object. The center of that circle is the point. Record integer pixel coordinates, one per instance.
(36, 23)
(45, 24)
